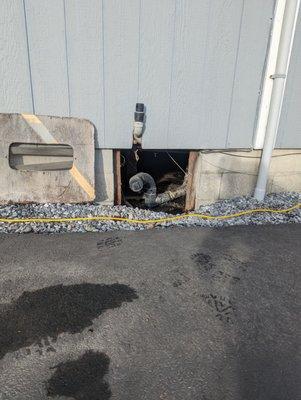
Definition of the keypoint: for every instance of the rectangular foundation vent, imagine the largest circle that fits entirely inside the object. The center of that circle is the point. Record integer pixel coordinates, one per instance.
(40, 157)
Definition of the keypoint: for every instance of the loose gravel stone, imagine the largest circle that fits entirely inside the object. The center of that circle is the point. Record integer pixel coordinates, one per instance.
(222, 207)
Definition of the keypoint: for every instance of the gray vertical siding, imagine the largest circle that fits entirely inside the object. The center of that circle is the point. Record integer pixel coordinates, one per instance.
(157, 30)
(15, 88)
(121, 54)
(85, 61)
(48, 58)
(196, 64)
(289, 133)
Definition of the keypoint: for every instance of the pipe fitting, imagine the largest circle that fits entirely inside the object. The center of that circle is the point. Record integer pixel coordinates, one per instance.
(142, 181)
(138, 127)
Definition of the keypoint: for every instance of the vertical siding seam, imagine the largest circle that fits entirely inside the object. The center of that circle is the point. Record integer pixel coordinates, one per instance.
(103, 72)
(139, 51)
(234, 75)
(67, 58)
(288, 92)
(171, 72)
(262, 81)
(204, 68)
(28, 58)
(220, 185)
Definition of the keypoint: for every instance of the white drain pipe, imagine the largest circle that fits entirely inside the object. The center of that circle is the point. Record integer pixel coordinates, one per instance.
(279, 79)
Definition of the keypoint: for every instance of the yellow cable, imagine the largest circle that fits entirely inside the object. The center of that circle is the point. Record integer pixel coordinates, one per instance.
(150, 221)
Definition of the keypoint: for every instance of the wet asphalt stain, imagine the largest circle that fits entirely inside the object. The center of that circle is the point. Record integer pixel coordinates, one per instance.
(48, 312)
(220, 273)
(222, 307)
(225, 269)
(81, 379)
(203, 260)
(180, 278)
(109, 242)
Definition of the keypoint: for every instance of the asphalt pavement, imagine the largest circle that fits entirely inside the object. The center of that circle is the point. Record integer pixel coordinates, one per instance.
(161, 314)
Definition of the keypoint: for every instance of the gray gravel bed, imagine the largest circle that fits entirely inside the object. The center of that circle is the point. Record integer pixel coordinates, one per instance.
(222, 207)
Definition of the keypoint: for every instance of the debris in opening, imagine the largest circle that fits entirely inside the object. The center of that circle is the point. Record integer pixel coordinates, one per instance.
(167, 168)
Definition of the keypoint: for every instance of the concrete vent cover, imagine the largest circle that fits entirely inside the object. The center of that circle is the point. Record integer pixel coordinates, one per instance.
(46, 159)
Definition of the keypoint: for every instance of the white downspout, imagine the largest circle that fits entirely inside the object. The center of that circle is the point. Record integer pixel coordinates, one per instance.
(267, 84)
(279, 81)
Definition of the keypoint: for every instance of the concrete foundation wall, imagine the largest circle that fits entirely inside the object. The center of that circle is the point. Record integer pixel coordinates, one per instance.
(219, 175)
(223, 175)
(104, 176)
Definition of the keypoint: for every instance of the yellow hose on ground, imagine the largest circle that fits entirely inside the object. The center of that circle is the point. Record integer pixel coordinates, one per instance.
(150, 221)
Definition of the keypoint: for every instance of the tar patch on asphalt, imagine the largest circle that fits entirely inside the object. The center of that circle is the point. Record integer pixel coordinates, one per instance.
(48, 312)
(81, 379)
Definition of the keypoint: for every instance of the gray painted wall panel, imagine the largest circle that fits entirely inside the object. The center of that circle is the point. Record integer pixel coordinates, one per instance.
(84, 34)
(224, 24)
(14, 69)
(190, 43)
(248, 73)
(48, 59)
(157, 24)
(196, 64)
(289, 133)
(121, 53)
